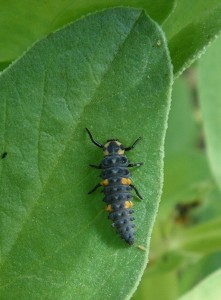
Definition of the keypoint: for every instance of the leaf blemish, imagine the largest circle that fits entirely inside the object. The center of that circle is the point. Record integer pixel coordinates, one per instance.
(159, 43)
(4, 155)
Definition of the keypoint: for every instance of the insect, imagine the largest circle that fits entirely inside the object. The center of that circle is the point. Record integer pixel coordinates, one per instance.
(117, 185)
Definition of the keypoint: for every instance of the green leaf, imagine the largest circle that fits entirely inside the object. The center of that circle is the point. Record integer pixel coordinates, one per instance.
(201, 239)
(198, 271)
(209, 288)
(111, 72)
(4, 65)
(210, 100)
(156, 287)
(212, 206)
(21, 24)
(191, 27)
(181, 135)
(187, 174)
(187, 178)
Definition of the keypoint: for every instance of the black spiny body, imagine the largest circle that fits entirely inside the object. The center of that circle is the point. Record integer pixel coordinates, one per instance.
(118, 195)
(117, 186)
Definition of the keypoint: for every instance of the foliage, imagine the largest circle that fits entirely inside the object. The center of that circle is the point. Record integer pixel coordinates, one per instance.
(108, 66)
(208, 288)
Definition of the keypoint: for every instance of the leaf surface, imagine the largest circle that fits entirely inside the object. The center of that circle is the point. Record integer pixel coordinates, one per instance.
(200, 239)
(189, 29)
(110, 72)
(210, 100)
(187, 175)
(209, 288)
(22, 24)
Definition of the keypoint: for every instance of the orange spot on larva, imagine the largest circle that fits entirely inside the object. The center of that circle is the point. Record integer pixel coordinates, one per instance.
(104, 182)
(108, 208)
(128, 204)
(126, 181)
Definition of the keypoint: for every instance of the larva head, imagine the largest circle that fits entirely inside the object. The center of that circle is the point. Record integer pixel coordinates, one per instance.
(113, 147)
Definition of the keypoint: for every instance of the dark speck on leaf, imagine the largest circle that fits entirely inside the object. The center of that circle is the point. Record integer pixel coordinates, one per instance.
(4, 155)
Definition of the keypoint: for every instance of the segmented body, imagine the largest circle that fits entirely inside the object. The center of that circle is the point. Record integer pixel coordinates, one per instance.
(117, 186)
(118, 195)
